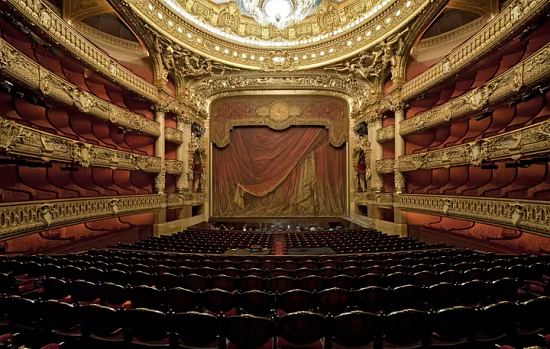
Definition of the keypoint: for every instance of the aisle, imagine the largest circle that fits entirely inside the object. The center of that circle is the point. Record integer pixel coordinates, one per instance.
(278, 244)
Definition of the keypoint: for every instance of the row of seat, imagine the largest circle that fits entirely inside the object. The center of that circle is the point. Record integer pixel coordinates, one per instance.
(93, 326)
(258, 302)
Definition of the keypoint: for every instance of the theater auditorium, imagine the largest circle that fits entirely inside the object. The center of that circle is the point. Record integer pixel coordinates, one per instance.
(241, 174)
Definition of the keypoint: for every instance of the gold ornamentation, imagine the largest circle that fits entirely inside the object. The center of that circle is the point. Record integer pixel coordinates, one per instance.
(385, 165)
(499, 29)
(527, 215)
(23, 217)
(10, 134)
(82, 154)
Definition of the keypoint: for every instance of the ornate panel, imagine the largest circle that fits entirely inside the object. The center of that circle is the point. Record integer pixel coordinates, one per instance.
(173, 135)
(372, 198)
(44, 18)
(21, 140)
(174, 167)
(385, 165)
(385, 134)
(175, 200)
(530, 140)
(279, 112)
(532, 216)
(510, 21)
(18, 66)
(19, 218)
(523, 75)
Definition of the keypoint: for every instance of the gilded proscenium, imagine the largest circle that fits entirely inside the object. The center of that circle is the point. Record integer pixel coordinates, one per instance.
(174, 166)
(530, 140)
(523, 75)
(23, 217)
(527, 215)
(209, 88)
(173, 135)
(372, 198)
(385, 134)
(21, 68)
(67, 37)
(385, 165)
(310, 55)
(16, 139)
(510, 21)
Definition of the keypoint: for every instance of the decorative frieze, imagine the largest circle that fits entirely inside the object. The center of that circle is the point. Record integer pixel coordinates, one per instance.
(173, 135)
(385, 165)
(23, 217)
(530, 140)
(174, 200)
(59, 31)
(174, 167)
(527, 215)
(21, 140)
(507, 23)
(23, 69)
(373, 198)
(385, 134)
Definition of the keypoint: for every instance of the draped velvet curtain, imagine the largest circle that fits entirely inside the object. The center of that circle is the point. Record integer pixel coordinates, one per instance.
(295, 172)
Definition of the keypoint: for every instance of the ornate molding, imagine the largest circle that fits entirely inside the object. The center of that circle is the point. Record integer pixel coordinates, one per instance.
(21, 68)
(324, 49)
(523, 75)
(24, 141)
(373, 198)
(385, 165)
(530, 140)
(385, 134)
(23, 217)
(527, 215)
(46, 20)
(173, 135)
(507, 23)
(174, 167)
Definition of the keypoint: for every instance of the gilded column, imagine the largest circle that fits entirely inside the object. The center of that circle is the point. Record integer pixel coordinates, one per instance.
(375, 123)
(183, 124)
(400, 185)
(160, 181)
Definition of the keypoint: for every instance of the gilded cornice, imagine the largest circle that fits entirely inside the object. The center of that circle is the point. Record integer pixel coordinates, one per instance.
(326, 50)
(214, 87)
(510, 21)
(385, 134)
(173, 135)
(523, 75)
(174, 166)
(373, 198)
(21, 68)
(385, 165)
(530, 140)
(67, 37)
(527, 215)
(16, 139)
(24, 217)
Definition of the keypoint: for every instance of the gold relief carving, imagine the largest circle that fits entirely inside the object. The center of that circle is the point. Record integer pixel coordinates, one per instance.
(328, 18)
(229, 18)
(9, 57)
(278, 61)
(10, 134)
(532, 216)
(400, 182)
(173, 135)
(23, 217)
(160, 180)
(279, 111)
(35, 76)
(374, 198)
(505, 25)
(525, 74)
(385, 166)
(531, 140)
(174, 166)
(82, 154)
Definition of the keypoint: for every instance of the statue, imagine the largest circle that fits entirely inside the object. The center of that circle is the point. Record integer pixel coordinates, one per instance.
(197, 172)
(361, 172)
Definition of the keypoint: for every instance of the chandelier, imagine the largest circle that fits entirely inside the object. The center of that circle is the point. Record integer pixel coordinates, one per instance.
(279, 13)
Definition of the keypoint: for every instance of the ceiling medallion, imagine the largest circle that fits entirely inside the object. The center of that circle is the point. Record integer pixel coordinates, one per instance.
(279, 13)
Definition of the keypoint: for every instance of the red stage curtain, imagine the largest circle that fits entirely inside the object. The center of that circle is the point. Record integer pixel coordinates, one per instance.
(263, 172)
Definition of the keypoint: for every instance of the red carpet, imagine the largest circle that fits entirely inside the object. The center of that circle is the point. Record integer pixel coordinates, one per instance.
(278, 244)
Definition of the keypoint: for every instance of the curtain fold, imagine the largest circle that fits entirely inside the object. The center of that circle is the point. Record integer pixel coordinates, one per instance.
(295, 172)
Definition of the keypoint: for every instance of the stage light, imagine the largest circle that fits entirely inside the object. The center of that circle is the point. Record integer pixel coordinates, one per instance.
(486, 113)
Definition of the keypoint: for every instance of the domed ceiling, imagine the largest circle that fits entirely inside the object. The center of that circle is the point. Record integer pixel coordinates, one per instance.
(331, 30)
